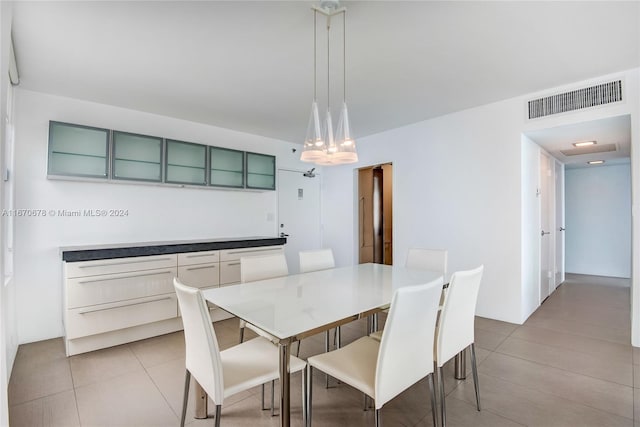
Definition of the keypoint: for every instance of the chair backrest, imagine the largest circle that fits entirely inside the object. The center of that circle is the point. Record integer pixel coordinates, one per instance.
(201, 346)
(455, 331)
(406, 347)
(427, 259)
(262, 267)
(321, 259)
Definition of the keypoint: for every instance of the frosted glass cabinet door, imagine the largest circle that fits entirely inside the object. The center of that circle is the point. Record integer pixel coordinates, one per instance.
(137, 157)
(227, 167)
(261, 171)
(77, 150)
(186, 162)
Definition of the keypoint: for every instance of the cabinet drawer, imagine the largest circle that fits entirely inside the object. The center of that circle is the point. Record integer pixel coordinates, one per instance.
(200, 275)
(236, 254)
(203, 257)
(119, 265)
(110, 317)
(229, 272)
(84, 291)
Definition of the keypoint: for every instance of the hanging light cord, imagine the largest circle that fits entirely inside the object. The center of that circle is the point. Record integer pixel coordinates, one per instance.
(328, 85)
(344, 56)
(315, 58)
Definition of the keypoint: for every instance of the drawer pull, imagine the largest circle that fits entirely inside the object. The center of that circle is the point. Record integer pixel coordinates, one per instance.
(199, 255)
(126, 305)
(254, 250)
(201, 268)
(125, 262)
(125, 277)
(233, 263)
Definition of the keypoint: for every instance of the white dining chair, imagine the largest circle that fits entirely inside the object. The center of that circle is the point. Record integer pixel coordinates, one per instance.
(424, 259)
(261, 268)
(384, 369)
(224, 373)
(320, 259)
(455, 330)
(315, 260)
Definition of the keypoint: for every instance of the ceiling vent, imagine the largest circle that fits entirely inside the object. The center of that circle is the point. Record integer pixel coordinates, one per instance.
(590, 149)
(601, 94)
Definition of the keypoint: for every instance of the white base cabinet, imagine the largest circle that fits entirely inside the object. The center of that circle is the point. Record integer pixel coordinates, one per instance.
(113, 301)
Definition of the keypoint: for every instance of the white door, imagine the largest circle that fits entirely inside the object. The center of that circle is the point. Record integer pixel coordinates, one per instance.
(546, 228)
(298, 214)
(559, 225)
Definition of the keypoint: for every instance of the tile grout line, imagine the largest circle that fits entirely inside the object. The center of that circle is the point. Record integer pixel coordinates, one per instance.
(559, 395)
(153, 382)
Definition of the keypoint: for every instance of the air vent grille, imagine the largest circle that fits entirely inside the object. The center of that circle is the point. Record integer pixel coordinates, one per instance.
(601, 94)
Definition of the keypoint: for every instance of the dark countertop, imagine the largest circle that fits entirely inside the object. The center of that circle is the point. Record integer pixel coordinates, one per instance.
(124, 250)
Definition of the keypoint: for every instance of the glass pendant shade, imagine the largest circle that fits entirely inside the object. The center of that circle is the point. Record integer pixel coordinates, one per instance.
(345, 144)
(314, 146)
(330, 148)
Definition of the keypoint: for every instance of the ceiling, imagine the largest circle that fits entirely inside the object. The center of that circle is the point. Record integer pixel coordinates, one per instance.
(614, 130)
(248, 65)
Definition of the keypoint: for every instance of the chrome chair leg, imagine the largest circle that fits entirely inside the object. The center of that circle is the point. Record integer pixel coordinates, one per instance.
(326, 350)
(185, 399)
(218, 414)
(262, 397)
(304, 397)
(298, 350)
(443, 409)
(273, 398)
(241, 335)
(434, 405)
(377, 417)
(309, 394)
(474, 368)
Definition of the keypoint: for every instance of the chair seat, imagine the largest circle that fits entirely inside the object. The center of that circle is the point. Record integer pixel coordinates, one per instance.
(251, 364)
(354, 364)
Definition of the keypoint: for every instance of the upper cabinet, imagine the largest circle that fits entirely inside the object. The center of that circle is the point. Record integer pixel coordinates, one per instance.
(78, 150)
(137, 157)
(88, 152)
(186, 163)
(227, 167)
(261, 171)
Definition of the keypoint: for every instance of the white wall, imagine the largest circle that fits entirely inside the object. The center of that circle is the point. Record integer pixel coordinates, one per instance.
(8, 331)
(449, 174)
(458, 184)
(598, 220)
(156, 213)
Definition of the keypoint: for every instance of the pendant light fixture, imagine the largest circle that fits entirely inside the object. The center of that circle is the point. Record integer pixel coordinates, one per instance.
(321, 146)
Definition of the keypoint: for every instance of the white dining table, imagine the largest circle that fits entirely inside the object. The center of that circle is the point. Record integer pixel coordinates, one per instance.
(300, 305)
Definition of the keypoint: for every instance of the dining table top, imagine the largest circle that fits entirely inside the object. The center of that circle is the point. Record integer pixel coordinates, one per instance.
(298, 305)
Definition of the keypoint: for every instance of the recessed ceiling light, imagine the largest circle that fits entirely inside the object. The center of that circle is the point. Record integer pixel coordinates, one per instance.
(596, 162)
(584, 143)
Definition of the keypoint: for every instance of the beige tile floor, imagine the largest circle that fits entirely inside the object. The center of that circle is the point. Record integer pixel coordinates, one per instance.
(571, 364)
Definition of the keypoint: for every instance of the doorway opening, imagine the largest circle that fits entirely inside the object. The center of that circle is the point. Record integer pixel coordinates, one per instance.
(375, 214)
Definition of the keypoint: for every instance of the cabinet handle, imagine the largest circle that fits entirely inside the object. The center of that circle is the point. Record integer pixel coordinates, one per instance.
(201, 268)
(123, 263)
(233, 263)
(95, 310)
(254, 250)
(126, 277)
(199, 255)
